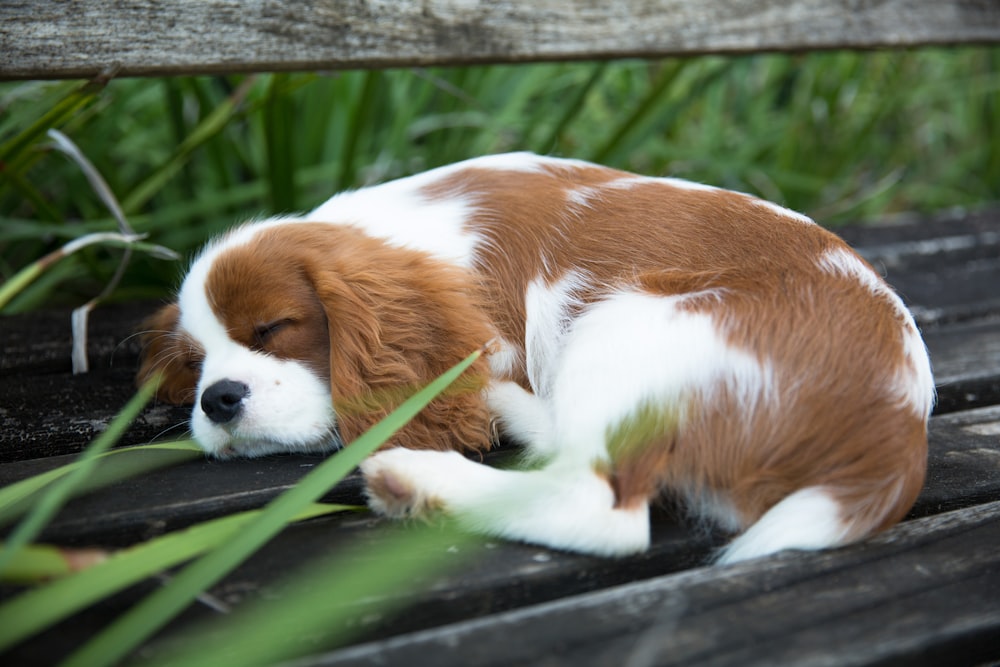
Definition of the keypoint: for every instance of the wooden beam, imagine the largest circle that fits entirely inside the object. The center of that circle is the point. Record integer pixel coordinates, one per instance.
(58, 39)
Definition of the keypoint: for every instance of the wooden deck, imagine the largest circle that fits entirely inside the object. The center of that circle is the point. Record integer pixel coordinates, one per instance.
(924, 593)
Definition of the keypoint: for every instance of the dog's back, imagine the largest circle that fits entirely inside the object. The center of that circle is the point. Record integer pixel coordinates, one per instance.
(672, 335)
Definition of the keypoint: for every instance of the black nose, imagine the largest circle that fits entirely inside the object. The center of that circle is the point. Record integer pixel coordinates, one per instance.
(223, 400)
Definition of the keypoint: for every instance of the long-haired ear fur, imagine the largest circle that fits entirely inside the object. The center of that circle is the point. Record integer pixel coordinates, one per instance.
(169, 353)
(396, 320)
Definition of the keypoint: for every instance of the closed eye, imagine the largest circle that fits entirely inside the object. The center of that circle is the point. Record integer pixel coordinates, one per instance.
(193, 361)
(263, 332)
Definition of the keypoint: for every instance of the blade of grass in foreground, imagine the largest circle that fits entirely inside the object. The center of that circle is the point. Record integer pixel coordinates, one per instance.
(53, 500)
(15, 498)
(41, 607)
(36, 563)
(324, 601)
(136, 626)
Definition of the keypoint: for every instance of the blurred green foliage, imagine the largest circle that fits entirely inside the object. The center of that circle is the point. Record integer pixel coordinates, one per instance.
(841, 136)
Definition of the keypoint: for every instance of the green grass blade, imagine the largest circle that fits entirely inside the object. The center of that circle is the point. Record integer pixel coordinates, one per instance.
(50, 503)
(115, 465)
(654, 96)
(323, 601)
(279, 127)
(12, 150)
(16, 283)
(39, 562)
(151, 614)
(37, 609)
(100, 187)
(361, 111)
(212, 125)
(572, 109)
(30, 273)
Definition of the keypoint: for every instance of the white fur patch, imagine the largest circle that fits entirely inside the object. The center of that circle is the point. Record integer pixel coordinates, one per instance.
(781, 210)
(920, 391)
(807, 519)
(523, 416)
(842, 262)
(628, 182)
(522, 161)
(504, 358)
(582, 197)
(518, 161)
(634, 349)
(398, 213)
(684, 184)
(549, 311)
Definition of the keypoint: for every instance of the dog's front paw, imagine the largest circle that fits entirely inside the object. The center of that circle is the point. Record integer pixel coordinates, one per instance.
(397, 481)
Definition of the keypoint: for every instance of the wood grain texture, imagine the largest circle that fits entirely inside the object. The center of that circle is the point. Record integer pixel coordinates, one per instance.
(924, 593)
(58, 39)
(946, 267)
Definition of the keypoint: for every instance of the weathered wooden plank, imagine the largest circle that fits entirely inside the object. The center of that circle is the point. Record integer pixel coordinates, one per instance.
(925, 593)
(54, 39)
(935, 579)
(174, 497)
(946, 268)
(506, 582)
(963, 465)
(965, 357)
(45, 410)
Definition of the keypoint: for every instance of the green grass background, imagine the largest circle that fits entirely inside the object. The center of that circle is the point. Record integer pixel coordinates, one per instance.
(843, 137)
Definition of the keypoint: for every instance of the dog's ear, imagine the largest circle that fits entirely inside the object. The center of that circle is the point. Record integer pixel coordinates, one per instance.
(167, 352)
(364, 373)
(393, 327)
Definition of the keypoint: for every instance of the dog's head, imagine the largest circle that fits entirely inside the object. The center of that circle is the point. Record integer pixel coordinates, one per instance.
(294, 337)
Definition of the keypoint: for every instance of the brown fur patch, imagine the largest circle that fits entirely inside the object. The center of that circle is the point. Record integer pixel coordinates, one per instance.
(170, 354)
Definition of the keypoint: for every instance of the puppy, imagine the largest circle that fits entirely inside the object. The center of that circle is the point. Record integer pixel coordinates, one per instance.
(648, 335)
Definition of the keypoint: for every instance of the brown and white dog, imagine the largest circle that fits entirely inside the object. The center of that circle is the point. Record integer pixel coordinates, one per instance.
(648, 334)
